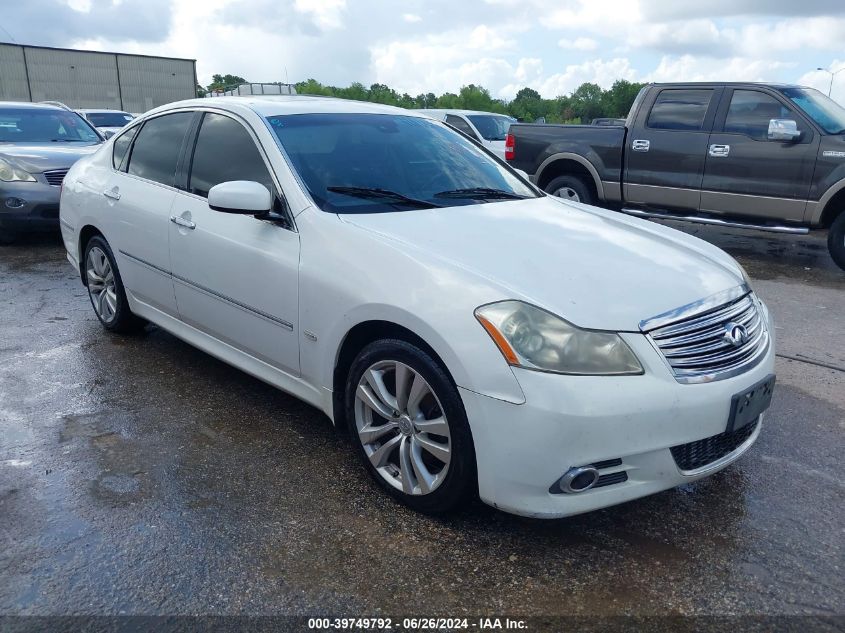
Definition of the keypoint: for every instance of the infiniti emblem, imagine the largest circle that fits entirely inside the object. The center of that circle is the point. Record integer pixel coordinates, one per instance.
(735, 334)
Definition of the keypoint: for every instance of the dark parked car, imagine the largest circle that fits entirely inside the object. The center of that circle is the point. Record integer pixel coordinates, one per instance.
(38, 144)
(746, 155)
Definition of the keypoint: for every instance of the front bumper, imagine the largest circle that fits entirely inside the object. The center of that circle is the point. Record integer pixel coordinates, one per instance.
(29, 206)
(569, 421)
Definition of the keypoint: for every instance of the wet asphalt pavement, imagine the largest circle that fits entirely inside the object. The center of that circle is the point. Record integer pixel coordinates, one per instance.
(139, 475)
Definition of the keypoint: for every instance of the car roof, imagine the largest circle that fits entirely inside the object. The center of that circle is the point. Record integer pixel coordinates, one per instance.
(100, 110)
(729, 84)
(454, 111)
(26, 105)
(269, 105)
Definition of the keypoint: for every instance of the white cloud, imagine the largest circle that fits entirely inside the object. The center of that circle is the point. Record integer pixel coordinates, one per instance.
(579, 44)
(411, 18)
(325, 13)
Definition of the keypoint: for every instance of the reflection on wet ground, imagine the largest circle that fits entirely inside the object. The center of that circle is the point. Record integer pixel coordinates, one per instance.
(140, 475)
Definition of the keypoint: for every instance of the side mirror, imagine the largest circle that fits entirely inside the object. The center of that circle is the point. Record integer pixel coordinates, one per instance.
(783, 130)
(240, 196)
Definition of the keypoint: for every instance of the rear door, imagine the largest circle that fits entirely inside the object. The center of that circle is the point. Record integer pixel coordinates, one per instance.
(746, 173)
(139, 195)
(235, 276)
(667, 147)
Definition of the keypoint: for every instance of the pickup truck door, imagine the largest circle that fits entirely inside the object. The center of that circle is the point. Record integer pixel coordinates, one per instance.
(746, 173)
(667, 147)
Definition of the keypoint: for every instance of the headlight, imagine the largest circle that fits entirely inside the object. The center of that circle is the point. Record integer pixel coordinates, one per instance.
(10, 173)
(535, 339)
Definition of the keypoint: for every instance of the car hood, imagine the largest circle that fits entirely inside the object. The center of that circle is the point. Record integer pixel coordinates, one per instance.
(38, 157)
(597, 269)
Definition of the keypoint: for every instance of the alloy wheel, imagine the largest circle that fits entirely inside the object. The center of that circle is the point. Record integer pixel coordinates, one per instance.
(402, 427)
(101, 285)
(567, 193)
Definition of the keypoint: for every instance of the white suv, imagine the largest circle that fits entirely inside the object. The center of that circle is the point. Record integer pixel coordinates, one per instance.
(475, 335)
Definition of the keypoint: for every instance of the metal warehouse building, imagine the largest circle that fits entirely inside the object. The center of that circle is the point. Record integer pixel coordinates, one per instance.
(92, 79)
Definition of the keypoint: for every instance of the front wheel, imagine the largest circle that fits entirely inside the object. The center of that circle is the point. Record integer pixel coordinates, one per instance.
(105, 288)
(408, 423)
(836, 240)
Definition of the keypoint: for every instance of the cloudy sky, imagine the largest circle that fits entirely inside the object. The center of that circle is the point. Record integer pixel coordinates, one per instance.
(420, 46)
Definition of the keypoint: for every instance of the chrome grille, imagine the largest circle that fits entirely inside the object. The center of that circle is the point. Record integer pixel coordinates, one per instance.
(56, 176)
(697, 348)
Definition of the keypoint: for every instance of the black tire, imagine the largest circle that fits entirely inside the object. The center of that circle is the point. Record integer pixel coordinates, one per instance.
(122, 321)
(461, 480)
(575, 184)
(7, 237)
(836, 240)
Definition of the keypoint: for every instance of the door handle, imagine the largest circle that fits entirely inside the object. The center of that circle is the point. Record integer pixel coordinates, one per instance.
(182, 222)
(719, 150)
(112, 193)
(640, 145)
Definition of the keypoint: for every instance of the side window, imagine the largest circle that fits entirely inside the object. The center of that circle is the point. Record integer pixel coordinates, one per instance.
(121, 146)
(750, 112)
(459, 123)
(680, 110)
(155, 153)
(225, 151)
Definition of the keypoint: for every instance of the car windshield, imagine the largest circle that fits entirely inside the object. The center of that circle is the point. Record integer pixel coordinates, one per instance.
(828, 114)
(371, 163)
(491, 127)
(109, 119)
(34, 125)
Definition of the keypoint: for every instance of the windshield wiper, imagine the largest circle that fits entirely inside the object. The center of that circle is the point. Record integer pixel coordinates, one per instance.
(377, 193)
(480, 193)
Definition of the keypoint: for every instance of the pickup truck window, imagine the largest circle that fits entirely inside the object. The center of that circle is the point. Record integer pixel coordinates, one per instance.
(827, 114)
(680, 110)
(750, 112)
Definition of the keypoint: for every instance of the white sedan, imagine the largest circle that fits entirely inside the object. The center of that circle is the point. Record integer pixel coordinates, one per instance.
(476, 336)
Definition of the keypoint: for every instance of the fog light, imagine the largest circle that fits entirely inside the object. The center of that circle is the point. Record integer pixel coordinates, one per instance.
(15, 203)
(579, 479)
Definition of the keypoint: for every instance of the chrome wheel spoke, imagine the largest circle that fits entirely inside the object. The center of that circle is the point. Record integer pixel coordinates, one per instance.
(379, 456)
(424, 478)
(376, 381)
(370, 433)
(405, 468)
(419, 389)
(366, 395)
(94, 278)
(436, 449)
(438, 426)
(403, 375)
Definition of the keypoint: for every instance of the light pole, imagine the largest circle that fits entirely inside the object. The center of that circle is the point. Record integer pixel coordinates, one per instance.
(832, 75)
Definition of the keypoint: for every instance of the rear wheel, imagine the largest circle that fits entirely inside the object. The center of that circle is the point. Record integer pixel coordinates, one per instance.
(572, 188)
(836, 240)
(105, 288)
(408, 423)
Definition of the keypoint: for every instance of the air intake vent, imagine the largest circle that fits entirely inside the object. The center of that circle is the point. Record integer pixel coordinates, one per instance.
(703, 452)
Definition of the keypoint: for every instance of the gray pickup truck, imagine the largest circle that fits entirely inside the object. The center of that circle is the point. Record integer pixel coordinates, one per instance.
(746, 155)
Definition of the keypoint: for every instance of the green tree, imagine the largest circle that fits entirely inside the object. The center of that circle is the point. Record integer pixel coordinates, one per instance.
(221, 82)
(618, 100)
(587, 102)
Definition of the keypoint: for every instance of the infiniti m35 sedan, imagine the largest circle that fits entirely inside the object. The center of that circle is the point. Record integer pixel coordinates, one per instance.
(474, 335)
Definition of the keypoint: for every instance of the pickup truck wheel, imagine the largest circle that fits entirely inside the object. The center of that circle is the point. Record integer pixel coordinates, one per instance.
(836, 240)
(570, 188)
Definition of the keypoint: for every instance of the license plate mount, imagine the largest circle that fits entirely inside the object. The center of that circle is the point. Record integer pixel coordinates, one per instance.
(747, 406)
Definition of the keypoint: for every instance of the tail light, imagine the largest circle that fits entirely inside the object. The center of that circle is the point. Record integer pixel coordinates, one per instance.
(510, 147)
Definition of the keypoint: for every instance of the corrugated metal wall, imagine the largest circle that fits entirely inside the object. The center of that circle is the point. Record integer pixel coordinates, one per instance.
(88, 79)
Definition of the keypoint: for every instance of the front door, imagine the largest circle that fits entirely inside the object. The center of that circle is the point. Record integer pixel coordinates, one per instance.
(235, 276)
(746, 173)
(667, 146)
